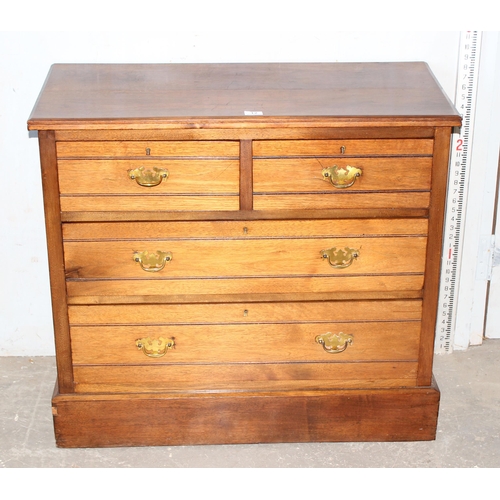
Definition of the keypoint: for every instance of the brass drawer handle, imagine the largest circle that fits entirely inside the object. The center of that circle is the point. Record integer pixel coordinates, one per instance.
(148, 178)
(155, 348)
(152, 262)
(341, 177)
(340, 258)
(334, 343)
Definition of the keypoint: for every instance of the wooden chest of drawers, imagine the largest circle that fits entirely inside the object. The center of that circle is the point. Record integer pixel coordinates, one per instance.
(243, 253)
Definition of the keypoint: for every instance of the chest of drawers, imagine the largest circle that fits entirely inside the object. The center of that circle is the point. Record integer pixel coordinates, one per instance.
(243, 253)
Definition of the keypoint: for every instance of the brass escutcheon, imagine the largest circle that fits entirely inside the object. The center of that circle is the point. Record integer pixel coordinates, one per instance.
(155, 348)
(152, 262)
(340, 258)
(341, 177)
(334, 343)
(148, 178)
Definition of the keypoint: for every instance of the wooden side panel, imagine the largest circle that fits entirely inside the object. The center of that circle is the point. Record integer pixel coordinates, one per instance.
(48, 164)
(315, 416)
(434, 251)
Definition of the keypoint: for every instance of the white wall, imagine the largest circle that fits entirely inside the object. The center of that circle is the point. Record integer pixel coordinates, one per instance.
(25, 57)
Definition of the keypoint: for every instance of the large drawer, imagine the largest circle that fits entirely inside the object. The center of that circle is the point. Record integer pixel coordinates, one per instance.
(246, 343)
(149, 176)
(255, 345)
(163, 258)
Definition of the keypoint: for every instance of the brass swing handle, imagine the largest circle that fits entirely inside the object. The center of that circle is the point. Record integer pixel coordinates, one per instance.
(340, 258)
(148, 178)
(155, 348)
(341, 177)
(334, 343)
(152, 262)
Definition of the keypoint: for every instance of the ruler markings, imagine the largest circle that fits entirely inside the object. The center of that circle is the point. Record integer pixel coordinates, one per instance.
(457, 188)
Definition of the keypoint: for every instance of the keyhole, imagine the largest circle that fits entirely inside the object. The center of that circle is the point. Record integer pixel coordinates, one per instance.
(148, 151)
(342, 150)
(245, 312)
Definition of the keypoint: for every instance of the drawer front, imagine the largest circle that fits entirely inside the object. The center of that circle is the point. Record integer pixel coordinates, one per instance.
(247, 343)
(242, 259)
(319, 174)
(137, 176)
(160, 177)
(161, 259)
(246, 346)
(131, 185)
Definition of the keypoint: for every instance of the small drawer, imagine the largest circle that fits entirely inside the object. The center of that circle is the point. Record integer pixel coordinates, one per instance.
(150, 184)
(147, 149)
(341, 148)
(341, 175)
(154, 177)
(342, 183)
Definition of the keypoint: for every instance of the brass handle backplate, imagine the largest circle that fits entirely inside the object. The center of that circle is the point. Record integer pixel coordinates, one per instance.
(148, 178)
(340, 258)
(341, 177)
(334, 343)
(152, 262)
(155, 348)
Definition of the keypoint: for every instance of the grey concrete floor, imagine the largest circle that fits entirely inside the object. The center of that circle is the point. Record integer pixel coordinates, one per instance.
(468, 433)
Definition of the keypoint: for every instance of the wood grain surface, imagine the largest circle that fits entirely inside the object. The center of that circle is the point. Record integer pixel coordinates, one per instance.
(84, 95)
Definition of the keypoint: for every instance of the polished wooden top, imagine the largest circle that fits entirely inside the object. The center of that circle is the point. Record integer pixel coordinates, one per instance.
(125, 96)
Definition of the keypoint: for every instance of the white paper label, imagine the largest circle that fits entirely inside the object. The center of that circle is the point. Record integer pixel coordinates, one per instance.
(253, 113)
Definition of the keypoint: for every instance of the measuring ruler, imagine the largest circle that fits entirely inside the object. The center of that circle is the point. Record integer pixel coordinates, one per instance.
(465, 100)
